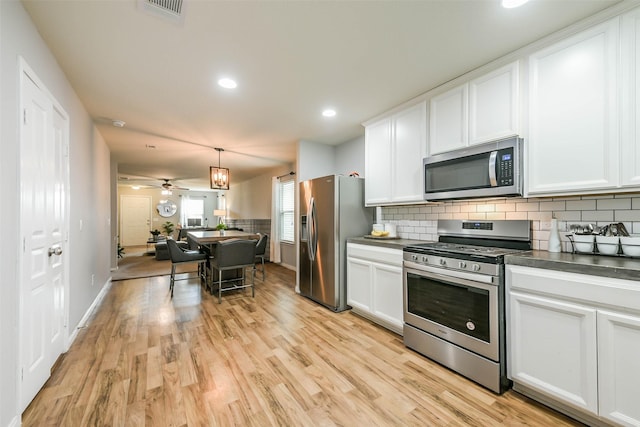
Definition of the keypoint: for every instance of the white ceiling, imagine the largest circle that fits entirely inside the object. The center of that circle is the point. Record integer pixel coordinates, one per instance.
(291, 60)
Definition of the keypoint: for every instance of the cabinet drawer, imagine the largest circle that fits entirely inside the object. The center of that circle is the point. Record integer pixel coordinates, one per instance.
(595, 290)
(375, 253)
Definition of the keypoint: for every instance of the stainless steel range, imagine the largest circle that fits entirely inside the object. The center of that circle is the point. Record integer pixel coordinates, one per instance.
(454, 296)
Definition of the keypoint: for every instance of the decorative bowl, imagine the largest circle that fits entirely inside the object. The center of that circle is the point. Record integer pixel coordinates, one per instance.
(608, 245)
(630, 245)
(584, 242)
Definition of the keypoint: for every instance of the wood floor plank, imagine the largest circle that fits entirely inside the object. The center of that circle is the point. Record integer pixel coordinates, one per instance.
(145, 359)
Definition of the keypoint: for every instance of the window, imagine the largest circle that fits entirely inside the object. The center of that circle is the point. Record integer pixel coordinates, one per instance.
(287, 201)
(193, 211)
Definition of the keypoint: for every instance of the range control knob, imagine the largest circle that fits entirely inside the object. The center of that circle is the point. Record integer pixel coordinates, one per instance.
(414, 257)
(476, 267)
(425, 258)
(443, 261)
(462, 264)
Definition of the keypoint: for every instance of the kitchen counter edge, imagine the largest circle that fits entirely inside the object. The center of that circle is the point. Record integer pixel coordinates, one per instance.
(386, 243)
(595, 265)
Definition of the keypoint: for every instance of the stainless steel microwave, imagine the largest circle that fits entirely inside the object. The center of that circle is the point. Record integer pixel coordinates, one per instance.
(492, 169)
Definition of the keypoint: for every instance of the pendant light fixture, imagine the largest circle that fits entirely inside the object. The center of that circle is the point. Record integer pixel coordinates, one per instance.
(219, 177)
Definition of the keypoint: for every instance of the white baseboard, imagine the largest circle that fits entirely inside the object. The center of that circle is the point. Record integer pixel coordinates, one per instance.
(88, 313)
(287, 266)
(16, 421)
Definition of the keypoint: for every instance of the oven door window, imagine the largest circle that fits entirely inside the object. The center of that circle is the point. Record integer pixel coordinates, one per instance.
(463, 308)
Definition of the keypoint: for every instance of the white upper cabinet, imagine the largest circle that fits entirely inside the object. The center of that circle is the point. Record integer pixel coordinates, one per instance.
(573, 113)
(630, 141)
(494, 105)
(481, 110)
(394, 149)
(377, 183)
(448, 118)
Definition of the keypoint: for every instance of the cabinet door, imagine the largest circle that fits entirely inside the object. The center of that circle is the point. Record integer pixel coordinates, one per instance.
(448, 120)
(619, 367)
(630, 138)
(388, 305)
(359, 284)
(552, 349)
(494, 105)
(573, 115)
(409, 148)
(378, 171)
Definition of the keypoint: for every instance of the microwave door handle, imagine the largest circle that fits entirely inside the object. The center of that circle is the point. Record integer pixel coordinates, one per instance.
(492, 169)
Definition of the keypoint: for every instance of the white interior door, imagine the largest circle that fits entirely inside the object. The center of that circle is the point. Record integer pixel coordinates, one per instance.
(135, 220)
(43, 177)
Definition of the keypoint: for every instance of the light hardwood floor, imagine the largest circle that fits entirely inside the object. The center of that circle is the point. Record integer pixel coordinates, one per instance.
(276, 359)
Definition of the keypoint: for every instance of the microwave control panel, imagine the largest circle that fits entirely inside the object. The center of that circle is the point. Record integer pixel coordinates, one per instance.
(505, 167)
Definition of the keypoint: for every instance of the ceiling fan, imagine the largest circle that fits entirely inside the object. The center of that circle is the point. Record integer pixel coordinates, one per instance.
(167, 185)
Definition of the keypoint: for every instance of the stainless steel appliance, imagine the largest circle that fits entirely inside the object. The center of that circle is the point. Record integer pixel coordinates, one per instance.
(454, 296)
(488, 170)
(331, 210)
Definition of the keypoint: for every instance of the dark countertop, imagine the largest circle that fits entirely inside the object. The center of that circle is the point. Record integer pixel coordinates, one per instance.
(387, 243)
(618, 267)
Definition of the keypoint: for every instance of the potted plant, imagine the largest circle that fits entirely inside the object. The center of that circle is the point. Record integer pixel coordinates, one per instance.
(168, 228)
(221, 227)
(120, 249)
(155, 233)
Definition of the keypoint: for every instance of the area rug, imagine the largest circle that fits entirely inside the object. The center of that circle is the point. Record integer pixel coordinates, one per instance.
(144, 265)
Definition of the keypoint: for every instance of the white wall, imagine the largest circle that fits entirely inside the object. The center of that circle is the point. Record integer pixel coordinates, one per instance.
(89, 248)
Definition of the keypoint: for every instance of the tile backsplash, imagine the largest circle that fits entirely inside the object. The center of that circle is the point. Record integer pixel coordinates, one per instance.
(420, 221)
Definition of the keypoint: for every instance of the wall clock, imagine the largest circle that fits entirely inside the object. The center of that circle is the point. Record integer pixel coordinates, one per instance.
(167, 208)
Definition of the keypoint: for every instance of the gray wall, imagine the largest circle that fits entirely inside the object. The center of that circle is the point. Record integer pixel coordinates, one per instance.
(350, 157)
(89, 249)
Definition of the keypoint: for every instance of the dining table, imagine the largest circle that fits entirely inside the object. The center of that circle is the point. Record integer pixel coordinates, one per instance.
(209, 237)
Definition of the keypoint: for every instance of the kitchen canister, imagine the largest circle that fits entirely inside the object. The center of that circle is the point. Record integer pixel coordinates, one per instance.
(554, 237)
(391, 228)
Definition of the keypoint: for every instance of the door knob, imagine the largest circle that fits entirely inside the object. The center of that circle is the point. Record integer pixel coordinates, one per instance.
(55, 250)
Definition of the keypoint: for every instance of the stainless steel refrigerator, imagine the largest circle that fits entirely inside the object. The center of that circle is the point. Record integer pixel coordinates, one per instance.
(331, 210)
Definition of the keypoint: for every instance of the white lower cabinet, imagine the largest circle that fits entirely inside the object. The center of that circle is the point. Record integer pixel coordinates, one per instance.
(619, 367)
(574, 341)
(553, 348)
(374, 284)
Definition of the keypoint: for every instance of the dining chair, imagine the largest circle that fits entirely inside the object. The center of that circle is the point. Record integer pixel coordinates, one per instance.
(179, 255)
(261, 248)
(233, 254)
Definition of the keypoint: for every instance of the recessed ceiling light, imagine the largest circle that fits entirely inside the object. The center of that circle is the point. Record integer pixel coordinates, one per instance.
(510, 4)
(227, 83)
(329, 112)
(118, 123)
(135, 187)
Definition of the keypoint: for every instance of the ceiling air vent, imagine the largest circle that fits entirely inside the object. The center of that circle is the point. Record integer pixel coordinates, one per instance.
(171, 9)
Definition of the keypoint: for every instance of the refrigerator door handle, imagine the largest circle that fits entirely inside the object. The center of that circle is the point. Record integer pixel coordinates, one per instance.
(311, 229)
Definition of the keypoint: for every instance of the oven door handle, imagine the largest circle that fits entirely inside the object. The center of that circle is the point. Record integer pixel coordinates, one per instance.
(437, 272)
(492, 169)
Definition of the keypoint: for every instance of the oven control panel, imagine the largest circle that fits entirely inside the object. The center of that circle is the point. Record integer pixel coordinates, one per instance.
(453, 263)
